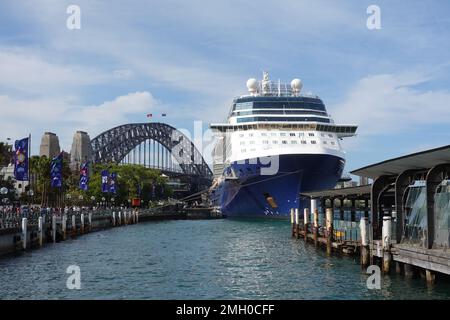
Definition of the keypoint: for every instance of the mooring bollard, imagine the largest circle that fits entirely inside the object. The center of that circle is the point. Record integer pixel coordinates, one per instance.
(24, 233)
(54, 228)
(386, 242)
(329, 228)
(74, 226)
(64, 226)
(90, 221)
(40, 230)
(363, 227)
(82, 223)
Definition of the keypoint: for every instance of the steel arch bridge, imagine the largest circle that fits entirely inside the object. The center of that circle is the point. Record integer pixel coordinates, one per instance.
(114, 144)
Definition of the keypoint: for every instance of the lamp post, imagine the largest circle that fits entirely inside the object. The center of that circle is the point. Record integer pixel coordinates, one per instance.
(112, 201)
(93, 201)
(103, 202)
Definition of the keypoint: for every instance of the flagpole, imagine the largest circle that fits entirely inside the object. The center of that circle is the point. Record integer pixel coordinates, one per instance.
(29, 170)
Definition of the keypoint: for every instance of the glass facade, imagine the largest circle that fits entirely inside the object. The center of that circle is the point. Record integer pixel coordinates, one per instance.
(283, 119)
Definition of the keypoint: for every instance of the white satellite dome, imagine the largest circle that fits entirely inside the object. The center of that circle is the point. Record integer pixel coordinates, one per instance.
(296, 85)
(252, 85)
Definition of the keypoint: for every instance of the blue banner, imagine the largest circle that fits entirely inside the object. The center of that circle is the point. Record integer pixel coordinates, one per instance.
(56, 171)
(112, 183)
(21, 160)
(105, 184)
(84, 176)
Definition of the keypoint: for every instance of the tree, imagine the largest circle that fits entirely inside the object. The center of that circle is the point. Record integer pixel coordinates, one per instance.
(6, 154)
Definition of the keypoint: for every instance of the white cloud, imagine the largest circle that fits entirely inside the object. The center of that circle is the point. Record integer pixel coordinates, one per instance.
(388, 103)
(26, 71)
(63, 117)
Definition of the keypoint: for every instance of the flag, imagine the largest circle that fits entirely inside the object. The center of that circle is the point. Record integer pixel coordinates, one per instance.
(21, 160)
(112, 183)
(84, 176)
(149, 115)
(164, 114)
(56, 171)
(105, 175)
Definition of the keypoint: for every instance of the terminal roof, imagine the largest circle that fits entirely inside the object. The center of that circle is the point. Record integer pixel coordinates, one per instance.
(358, 191)
(419, 160)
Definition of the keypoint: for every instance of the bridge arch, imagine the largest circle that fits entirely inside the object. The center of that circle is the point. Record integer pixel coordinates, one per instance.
(114, 144)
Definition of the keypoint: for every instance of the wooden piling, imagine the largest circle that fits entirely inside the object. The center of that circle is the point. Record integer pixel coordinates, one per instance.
(409, 271)
(430, 276)
(114, 218)
(316, 227)
(292, 222)
(64, 226)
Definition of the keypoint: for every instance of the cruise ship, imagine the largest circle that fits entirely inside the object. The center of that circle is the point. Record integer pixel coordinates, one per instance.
(276, 144)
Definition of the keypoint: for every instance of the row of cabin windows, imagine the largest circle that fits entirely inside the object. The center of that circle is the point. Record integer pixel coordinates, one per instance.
(284, 134)
(266, 142)
(242, 143)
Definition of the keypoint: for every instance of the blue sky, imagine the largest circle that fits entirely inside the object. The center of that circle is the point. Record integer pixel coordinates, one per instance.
(190, 58)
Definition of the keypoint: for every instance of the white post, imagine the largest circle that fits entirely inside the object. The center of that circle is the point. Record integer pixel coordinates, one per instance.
(292, 216)
(363, 226)
(120, 218)
(24, 232)
(296, 216)
(313, 205)
(386, 232)
(82, 223)
(90, 221)
(137, 216)
(306, 215)
(114, 218)
(329, 218)
(40, 229)
(54, 228)
(74, 225)
(64, 225)
(316, 218)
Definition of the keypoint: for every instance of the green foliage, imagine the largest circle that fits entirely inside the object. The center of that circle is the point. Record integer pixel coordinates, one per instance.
(6, 153)
(133, 181)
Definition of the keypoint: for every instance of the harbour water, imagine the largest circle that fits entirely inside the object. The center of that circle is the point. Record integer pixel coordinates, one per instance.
(208, 259)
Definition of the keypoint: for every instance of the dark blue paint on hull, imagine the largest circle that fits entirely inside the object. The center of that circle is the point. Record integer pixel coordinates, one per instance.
(247, 196)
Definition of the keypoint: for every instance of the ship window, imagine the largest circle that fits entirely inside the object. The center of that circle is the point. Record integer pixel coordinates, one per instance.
(294, 142)
(253, 149)
(284, 142)
(322, 135)
(313, 141)
(242, 143)
(264, 134)
(274, 141)
(330, 135)
(324, 142)
(311, 134)
(303, 141)
(273, 134)
(250, 134)
(241, 135)
(265, 142)
(332, 142)
(292, 134)
(301, 134)
(282, 134)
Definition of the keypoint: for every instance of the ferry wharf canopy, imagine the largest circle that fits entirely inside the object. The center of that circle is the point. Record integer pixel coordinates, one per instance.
(413, 189)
